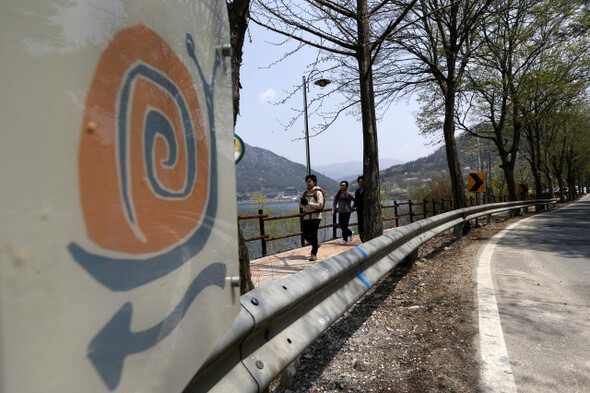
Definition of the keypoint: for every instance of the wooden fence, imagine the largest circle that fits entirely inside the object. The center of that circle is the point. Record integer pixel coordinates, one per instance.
(425, 209)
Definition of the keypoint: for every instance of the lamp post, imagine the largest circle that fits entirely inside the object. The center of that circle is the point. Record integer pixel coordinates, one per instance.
(320, 83)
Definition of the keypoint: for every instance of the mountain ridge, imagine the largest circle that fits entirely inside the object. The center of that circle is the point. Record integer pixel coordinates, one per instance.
(263, 171)
(350, 170)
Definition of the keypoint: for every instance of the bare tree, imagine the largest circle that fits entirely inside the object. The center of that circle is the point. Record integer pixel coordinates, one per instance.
(345, 30)
(432, 56)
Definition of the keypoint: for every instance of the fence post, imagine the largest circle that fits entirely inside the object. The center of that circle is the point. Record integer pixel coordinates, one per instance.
(442, 205)
(434, 207)
(262, 233)
(395, 213)
(334, 222)
(471, 201)
(301, 227)
(424, 207)
(411, 212)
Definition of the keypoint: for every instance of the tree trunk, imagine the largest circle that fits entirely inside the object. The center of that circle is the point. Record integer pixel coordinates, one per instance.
(535, 147)
(238, 13)
(457, 182)
(246, 284)
(558, 170)
(510, 183)
(373, 226)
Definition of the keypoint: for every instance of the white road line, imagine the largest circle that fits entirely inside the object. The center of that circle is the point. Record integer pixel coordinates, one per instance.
(496, 372)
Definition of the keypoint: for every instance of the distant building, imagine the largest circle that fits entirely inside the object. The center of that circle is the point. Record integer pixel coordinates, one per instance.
(271, 195)
(290, 191)
(242, 198)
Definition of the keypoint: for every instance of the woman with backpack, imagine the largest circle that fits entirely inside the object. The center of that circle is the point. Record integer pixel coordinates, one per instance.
(342, 202)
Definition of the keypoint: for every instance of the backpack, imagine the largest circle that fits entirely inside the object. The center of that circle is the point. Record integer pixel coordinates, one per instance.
(323, 195)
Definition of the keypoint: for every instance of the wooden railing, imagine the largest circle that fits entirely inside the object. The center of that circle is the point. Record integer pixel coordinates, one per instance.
(428, 208)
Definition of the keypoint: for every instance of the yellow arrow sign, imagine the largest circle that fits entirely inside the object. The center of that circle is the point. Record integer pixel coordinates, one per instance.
(475, 182)
(523, 189)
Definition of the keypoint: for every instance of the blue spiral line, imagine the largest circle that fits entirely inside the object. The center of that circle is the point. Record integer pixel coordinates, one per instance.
(144, 71)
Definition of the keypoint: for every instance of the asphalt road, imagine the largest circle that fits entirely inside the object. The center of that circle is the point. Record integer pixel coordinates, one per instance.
(539, 278)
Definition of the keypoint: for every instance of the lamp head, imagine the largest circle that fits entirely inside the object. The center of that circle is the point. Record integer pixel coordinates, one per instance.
(322, 82)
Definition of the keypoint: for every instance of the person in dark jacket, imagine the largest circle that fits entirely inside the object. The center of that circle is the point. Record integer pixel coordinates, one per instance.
(358, 206)
(342, 205)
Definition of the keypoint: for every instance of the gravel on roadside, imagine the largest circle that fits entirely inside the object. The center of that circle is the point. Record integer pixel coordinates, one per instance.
(415, 332)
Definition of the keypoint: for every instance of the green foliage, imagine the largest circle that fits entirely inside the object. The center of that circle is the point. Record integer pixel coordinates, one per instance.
(260, 201)
(430, 117)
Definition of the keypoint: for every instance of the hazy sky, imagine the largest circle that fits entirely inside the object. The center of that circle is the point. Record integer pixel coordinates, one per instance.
(261, 123)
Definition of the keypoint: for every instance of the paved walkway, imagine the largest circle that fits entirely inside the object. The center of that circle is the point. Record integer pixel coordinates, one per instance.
(279, 266)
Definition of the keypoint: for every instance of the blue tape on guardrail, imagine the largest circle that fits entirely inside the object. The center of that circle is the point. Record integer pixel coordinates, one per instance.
(362, 278)
(361, 251)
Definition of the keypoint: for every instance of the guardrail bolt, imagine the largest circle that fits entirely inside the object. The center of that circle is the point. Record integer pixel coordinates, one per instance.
(254, 301)
(259, 364)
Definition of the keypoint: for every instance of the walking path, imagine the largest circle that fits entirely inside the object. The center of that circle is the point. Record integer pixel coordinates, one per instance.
(279, 266)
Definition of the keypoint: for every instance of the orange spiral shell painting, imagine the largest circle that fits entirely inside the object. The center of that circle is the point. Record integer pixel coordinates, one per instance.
(143, 157)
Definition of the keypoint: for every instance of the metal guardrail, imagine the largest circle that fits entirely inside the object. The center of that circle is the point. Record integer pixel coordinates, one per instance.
(280, 319)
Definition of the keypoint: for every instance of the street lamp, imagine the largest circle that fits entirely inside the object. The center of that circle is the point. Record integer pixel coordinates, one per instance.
(321, 83)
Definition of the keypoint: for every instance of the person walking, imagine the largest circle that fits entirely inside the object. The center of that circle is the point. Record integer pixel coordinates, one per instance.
(312, 203)
(342, 202)
(358, 206)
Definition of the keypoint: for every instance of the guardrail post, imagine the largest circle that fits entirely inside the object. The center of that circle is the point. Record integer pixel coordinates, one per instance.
(262, 233)
(413, 257)
(424, 207)
(410, 210)
(458, 231)
(395, 205)
(489, 218)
